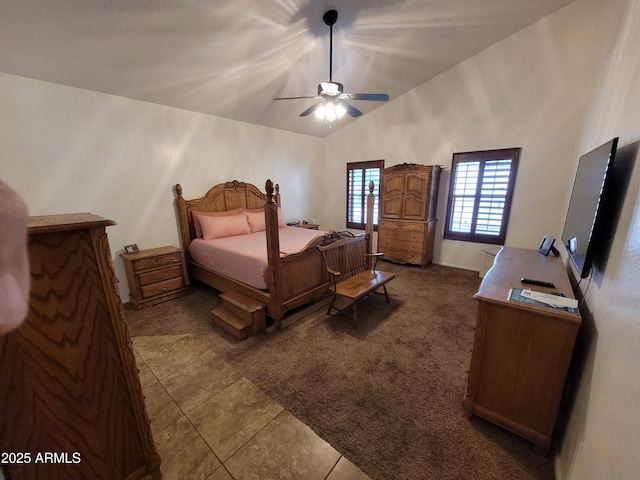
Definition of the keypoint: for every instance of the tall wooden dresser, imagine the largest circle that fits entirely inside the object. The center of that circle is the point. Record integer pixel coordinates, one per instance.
(407, 225)
(70, 397)
(521, 351)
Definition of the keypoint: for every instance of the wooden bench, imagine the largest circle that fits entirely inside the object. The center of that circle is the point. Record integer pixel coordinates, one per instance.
(352, 272)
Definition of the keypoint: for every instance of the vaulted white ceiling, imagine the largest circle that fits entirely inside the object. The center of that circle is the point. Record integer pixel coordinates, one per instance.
(230, 58)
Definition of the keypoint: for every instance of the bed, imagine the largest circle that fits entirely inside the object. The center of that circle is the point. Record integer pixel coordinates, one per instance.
(287, 273)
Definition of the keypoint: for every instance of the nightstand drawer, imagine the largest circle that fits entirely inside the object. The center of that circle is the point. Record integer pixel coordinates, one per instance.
(160, 274)
(154, 262)
(161, 288)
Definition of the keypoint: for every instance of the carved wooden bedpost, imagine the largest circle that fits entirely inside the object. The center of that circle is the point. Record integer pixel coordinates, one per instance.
(273, 252)
(183, 219)
(368, 228)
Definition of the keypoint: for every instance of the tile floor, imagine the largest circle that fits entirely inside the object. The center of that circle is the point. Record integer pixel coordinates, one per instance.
(209, 422)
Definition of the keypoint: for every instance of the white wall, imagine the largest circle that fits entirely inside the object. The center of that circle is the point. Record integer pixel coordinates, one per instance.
(71, 150)
(558, 89)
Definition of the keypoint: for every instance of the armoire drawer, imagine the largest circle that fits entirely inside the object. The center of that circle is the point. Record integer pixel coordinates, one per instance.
(394, 228)
(387, 244)
(402, 256)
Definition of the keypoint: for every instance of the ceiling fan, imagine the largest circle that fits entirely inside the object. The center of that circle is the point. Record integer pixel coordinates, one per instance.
(333, 100)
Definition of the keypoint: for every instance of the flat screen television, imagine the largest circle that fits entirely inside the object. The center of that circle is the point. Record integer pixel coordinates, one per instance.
(587, 223)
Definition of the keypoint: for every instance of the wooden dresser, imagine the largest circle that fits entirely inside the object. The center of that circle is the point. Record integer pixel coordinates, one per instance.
(521, 352)
(155, 275)
(407, 225)
(69, 385)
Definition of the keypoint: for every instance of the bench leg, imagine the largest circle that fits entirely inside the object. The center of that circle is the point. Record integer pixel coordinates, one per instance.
(385, 293)
(331, 304)
(355, 316)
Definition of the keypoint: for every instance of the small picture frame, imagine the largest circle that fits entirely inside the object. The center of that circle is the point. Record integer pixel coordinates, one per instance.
(133, 248)
(547, 246)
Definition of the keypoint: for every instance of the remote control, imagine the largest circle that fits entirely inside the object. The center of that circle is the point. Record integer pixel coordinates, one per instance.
(540, 283)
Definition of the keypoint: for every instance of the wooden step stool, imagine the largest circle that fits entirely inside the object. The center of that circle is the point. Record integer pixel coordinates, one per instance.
(240, 315)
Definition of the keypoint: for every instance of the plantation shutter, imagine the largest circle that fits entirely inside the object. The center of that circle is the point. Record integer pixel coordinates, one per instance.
(480, 195)
(359, 174)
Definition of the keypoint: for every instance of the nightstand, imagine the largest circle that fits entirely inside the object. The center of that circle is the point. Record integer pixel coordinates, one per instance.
(155, 275)
(310, 226)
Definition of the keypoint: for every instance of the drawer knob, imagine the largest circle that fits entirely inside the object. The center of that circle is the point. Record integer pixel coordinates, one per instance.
(161, 276)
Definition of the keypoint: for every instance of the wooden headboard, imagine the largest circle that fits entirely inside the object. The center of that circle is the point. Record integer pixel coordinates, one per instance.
(222, 197)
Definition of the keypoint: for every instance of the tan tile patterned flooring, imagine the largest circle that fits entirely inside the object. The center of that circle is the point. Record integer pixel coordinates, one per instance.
(209, 422)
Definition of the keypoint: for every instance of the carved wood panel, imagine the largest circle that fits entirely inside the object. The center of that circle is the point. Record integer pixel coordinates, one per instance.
(67, 383)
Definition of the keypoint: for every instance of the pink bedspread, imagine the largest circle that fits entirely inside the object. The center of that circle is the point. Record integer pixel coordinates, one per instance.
(244, 257)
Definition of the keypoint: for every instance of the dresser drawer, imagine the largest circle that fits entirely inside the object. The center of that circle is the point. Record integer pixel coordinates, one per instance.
(161, 274)
(160, 288)
(402, 228)
(401, 255)
(386, 244)
(400, 235)
(159, 261)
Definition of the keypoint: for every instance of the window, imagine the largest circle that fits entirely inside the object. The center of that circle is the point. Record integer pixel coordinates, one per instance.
(480, 194)
(359, 174)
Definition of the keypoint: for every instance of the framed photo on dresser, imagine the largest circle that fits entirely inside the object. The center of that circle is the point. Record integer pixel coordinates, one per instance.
(133, 248)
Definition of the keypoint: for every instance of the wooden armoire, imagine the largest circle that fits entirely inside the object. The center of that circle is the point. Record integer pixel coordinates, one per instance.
(407, 225)
(71, 405)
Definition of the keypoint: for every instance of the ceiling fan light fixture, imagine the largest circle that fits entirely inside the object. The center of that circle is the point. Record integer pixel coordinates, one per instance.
(330, 111)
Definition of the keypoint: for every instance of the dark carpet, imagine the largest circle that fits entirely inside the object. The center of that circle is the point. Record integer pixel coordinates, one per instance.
(388, 395)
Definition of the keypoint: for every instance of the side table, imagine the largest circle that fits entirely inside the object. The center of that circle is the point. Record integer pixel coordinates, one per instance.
(310, 226)
(155, 275)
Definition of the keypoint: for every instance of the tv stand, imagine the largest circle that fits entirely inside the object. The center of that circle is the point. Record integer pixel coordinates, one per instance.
(521, 352)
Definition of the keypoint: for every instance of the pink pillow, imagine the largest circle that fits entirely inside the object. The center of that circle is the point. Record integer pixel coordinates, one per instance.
(196, 222)
(256, 210)
(225, 226)
(256, 221)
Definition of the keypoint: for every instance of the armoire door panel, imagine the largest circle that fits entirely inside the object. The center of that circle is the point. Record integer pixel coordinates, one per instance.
(392, 196)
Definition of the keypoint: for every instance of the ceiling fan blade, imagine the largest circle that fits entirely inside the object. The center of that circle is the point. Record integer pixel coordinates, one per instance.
(311, 109)
(295, 98)
(351, 110)
(376, 97)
